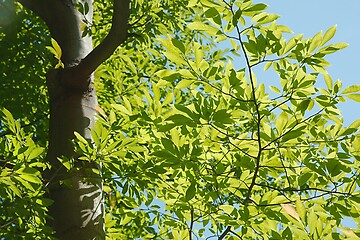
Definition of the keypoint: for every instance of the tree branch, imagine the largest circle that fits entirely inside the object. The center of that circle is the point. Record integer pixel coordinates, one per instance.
(191, 223)
(227, 230)
(116, 36)
(257, 110)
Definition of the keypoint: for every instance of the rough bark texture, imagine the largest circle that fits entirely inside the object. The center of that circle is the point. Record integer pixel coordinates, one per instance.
(77, 210)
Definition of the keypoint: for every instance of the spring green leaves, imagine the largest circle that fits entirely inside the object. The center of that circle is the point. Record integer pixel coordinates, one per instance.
(198, 140)
(279, 148)
(20, 168)
(352, 92)
(56, 51)
(21, 184)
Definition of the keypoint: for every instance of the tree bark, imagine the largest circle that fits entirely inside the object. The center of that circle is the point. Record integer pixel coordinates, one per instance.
(77, 211)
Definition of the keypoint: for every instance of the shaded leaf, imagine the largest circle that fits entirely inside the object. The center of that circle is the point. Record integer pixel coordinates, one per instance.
(190, 192)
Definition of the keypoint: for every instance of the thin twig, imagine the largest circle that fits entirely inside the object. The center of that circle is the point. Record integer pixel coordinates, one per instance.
(191, 223)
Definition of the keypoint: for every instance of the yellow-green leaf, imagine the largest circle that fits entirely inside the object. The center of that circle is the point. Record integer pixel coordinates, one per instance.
(328, 81)
(281, 122)
(315, 41)
(300, 208)
(121, 109)
(80, 138)
(200, 26)
(275, 89)
(175, 57)
(57, 48)
(292, 43)
(351, 89)
(35, 153)
(227, 208)
(355, 97)
(340, 45)
(328, 35)
(184, 83)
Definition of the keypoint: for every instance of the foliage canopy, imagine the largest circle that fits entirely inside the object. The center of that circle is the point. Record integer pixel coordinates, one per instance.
(196, 140)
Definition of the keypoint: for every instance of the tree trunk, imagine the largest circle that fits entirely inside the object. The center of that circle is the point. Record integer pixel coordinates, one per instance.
(77, 211)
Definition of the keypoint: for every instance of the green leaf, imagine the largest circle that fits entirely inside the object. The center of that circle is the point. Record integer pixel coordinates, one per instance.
(184, 84)
(292, 43)
(281, 121)
(129, 63)
(303, 178)
(199, 54)
(355, 124)
(329, 34)
(228, 209)
(339, 46)
(264, 18)
(355, 97)
(256, 7)
(57, 48)
(86, 8)
(31, 178)
(65, 162)
(214, 15)
(168, 74)
(175, 57)
(275, 89)
(30, 175)
(35, 153)
(200, 26)
(315, 41)
(27, 170)
(251, 47)
(179, 119)
(328, 81)
(351, 89)
(121, 109)
(332, 48)
(190, 192)
(169, 146)
(178, 44)
(57, 52)
(222, 116)
(80, 138)
(186, 74)
(300, 208)
(164, 154)
(278, 200)
(14, 188)
(186, 110)
(292, 135)
(136, 148)
(311, 221)
(10, 121)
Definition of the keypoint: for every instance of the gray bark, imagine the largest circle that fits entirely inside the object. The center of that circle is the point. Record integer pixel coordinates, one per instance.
(77, 211)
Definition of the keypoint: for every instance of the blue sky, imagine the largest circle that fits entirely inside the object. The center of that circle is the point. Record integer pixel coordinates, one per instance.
(311, 16)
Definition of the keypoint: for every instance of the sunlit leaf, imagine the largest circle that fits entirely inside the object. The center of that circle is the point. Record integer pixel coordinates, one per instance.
(290, 209)
(329, 34)
(351, 89)
(355, 97)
